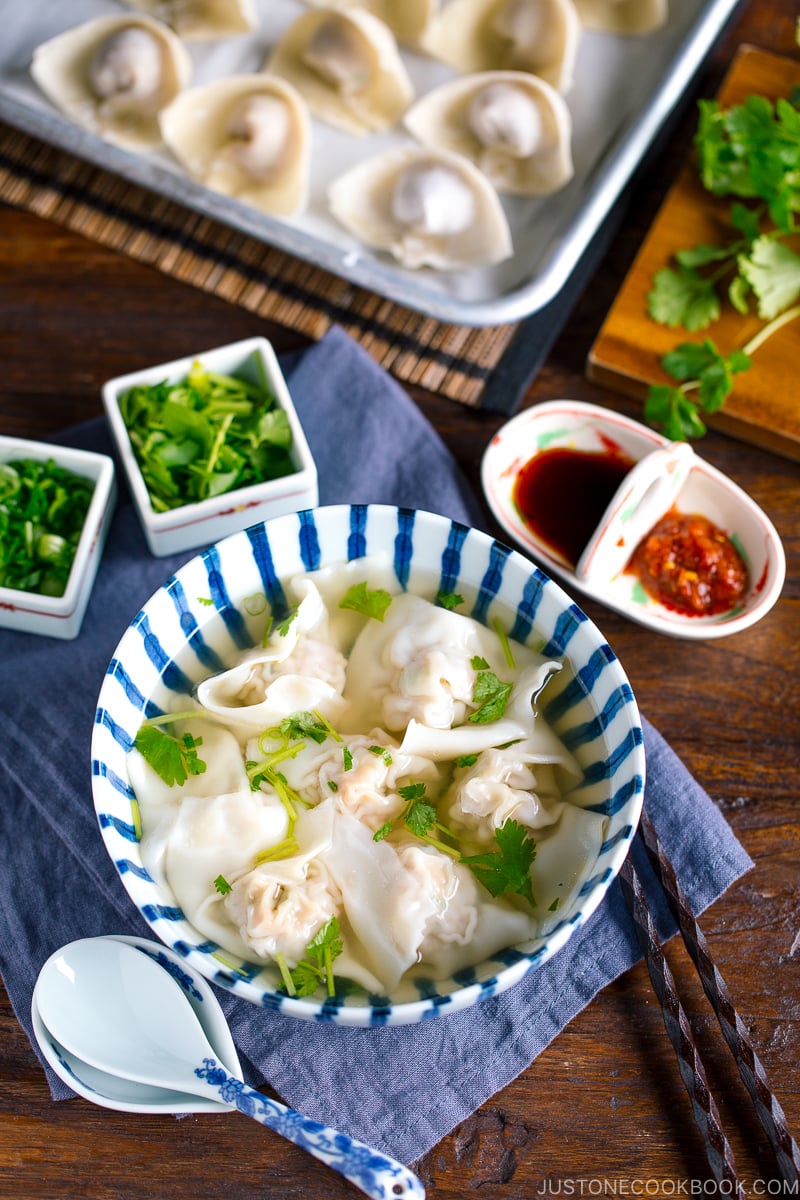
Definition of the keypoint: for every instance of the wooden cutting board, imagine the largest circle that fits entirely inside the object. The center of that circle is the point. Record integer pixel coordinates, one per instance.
(764, 407)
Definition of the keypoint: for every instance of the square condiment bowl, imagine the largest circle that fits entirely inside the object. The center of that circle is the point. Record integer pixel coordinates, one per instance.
(62, 616)
(202, 522)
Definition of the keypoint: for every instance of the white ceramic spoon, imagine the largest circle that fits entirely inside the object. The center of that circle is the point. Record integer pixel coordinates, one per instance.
(124, 1095)
(119, 1011)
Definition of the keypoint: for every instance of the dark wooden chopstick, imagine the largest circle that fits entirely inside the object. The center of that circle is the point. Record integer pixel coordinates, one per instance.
(767, 1106)
(706, 1114)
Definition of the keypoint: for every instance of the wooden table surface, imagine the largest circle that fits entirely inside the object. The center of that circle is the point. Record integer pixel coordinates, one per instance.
(603, 1109)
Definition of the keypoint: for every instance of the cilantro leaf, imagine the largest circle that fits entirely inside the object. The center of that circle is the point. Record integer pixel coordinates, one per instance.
(490, 694)
(746, 220)
(449, 600)
(700, 367)
(173, 759)
(738, 293)
(673, 412)
(315, 967)
(283, 626)
(222, 886)
(304, 725)
(305, 978)
(773, 271)
(412, 791)
(683, 297)
(420, 818)
(372, 602)
(702, 255)
(507, 870)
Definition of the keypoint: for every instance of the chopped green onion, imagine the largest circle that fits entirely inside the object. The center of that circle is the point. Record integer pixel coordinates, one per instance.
(43, 509)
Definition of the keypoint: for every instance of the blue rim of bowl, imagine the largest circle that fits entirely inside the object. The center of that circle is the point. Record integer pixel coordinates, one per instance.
(300, 540)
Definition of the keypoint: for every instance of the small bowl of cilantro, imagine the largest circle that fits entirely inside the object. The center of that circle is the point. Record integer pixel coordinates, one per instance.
(210, 444)
(56, 505)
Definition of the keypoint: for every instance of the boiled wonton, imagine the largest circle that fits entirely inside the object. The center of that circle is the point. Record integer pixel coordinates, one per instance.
(247, 136)
(513, 125)
(407, 19)
(113, 75)
(426, 207)
(623, 16)
(539, 36)
(347, 66)
(201, 20)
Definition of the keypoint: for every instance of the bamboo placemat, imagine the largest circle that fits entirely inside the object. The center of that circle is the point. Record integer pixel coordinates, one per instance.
(454, 361)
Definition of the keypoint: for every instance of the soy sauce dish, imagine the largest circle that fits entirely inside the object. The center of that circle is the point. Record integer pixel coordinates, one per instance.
(564, 480)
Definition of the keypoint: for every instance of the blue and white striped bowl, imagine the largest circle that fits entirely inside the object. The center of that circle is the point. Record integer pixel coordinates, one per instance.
(178, 639)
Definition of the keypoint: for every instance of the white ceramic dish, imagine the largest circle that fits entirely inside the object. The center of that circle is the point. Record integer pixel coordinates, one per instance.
(174, 641)
(201, 523)
(62, 616)
(707, 491)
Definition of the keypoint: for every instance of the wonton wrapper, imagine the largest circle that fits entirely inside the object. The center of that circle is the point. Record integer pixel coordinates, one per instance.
(198, 128)
(407, 19)
(62, 68)
(538, 123)
(623, 16)
(373, 88)
(363, 198)
(201, 20)
(538, 36)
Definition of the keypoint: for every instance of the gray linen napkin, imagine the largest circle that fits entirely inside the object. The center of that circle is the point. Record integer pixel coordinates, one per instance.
(398, 1089)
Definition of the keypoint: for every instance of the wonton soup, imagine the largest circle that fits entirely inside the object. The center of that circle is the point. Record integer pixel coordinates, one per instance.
(369, 796)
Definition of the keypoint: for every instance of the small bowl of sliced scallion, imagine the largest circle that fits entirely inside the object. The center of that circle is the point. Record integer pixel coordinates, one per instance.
(56, 505)
(210, 444)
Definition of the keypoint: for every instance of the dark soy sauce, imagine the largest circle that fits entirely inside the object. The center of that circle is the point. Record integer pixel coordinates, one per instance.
(561, 495)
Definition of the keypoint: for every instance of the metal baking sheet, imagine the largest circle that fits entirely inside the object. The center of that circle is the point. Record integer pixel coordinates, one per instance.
(625, 88)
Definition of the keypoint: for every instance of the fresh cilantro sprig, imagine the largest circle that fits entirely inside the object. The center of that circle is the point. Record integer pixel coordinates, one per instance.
(750, 152)
(173, 758)
(306, 725)
(490, 694)
(372, 602)
(316, 966)
(419, 817)
(507, 870)
(704, 381)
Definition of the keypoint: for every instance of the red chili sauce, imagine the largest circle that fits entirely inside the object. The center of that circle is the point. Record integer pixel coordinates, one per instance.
(561, 495)
(689, 565)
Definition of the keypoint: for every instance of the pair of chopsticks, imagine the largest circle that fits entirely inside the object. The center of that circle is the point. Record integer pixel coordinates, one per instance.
(706, 1114)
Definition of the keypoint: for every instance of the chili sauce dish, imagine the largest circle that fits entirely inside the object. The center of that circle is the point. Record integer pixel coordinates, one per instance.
(642, 525)
(209, 444)
(359, 764)
(56, 505)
